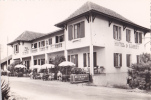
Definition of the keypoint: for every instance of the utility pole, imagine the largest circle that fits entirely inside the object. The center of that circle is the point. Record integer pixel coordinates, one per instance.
(7, 54)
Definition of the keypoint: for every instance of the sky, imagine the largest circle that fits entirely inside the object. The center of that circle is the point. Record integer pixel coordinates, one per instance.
(17, 16)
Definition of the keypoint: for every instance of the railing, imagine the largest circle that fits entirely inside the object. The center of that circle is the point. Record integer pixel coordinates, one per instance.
(34, 50)
(42, 48)
(57, 45)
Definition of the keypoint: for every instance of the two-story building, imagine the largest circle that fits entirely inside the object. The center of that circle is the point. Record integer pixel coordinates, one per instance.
(92, 37)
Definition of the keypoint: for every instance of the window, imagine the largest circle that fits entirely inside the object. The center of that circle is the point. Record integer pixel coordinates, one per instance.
(116, 32)
(138, 59)
(59, 38)
(39, 44)
(38, 61)
(50, 41)
(74, 59)
(47, 42)
(68, 57)
(34, 45)
(35, 62)
(138, 37)
(128, 60)
(86, 58)
(128, 35)
(42, 43)
(42, 61)
(117, 60)
(76, 31)
(16, 48)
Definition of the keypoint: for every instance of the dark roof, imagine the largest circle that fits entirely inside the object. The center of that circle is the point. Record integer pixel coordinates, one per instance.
(92, 7)
(27, 36)
(5, 59)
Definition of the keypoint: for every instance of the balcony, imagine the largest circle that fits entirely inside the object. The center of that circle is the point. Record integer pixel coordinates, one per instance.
(34, 50)
(46, 49)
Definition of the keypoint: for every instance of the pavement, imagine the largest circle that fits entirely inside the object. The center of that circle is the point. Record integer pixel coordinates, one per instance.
(31, 89)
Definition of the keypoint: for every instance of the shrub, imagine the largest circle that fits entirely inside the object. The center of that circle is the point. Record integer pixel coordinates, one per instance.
(5, 90)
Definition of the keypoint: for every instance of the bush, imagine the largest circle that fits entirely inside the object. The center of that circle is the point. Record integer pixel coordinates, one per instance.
(5, 90)
(139, 75)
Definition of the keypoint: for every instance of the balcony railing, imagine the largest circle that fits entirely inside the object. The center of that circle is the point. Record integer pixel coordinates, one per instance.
(45, 48)
(34, 50)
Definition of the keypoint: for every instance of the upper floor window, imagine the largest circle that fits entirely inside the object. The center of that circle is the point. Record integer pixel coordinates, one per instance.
(16, 48)
(138, 37)
(34, 45)
(117, 60)
(116, 32)
(59, 38)
(128, 35)
(50, 41)
(42, 43)
(76, 31)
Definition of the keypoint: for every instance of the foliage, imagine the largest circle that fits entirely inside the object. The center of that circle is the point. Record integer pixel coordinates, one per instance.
(76, 70)
(139, 74)
(56, 61)
(5, 90)
(11, 67)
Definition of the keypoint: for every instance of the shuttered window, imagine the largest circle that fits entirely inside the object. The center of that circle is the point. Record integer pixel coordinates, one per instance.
(138, 37)
(76, 31)
(16, 48)
(50, 41)
(117, 60)
(84, 60)
(128, 35)
(68, 57)
(128, 60)
(117, 32)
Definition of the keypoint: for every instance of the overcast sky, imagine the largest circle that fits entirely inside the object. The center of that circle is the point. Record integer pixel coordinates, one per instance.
(17, 16)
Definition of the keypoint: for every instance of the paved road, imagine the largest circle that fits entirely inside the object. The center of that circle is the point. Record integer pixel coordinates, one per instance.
(55, 90)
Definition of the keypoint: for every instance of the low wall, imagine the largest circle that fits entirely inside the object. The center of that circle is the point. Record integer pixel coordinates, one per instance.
(110, 79)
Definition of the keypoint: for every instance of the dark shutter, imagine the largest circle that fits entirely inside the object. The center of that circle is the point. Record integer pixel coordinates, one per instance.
(120, 35)
(137, 59)
(114, 59)
(82, 29)
(128, 60)
(120, 59)
(140, 37)
(114, 31)
(68, 57)
(84, 60)
(88, 59)
(78, 30)
(76, 59)
(136, 37)
(39, 44)
(70, 37)
(126, 35)
(50, 41)
(17, 48)
(56, 39)
(95, 59)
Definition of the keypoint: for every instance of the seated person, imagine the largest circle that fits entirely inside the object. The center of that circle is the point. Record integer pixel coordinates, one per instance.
(59, 75)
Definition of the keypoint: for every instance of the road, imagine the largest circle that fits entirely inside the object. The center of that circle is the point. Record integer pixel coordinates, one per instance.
(56, 90)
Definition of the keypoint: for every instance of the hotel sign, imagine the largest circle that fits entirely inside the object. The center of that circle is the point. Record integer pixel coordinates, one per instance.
(126, 45)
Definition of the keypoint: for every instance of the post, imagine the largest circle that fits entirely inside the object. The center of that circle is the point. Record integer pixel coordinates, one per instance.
(7, 54)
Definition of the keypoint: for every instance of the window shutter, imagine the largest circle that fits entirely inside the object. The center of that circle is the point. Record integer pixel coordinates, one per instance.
(84, 60)
(126, 35)
(140, 37)
(136, 37)
(137, 59)
(76, 60)
(70, 34)
(50, 41)
(78, 31)
(68, 57)
(120, 59)
(128, 60)
(129, 35)
(56, 39)
(120, 35)
(88, 59)
(95, 59)
(114, 31)
(114, 59)
(82, 29)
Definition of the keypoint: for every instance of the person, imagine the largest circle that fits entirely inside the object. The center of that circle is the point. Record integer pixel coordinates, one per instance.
(59, 75)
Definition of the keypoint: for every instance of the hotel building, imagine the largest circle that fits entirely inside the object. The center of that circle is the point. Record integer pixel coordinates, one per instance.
(92, 37)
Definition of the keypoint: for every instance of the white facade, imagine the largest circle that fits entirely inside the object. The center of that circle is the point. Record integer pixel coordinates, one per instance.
(98, 37)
